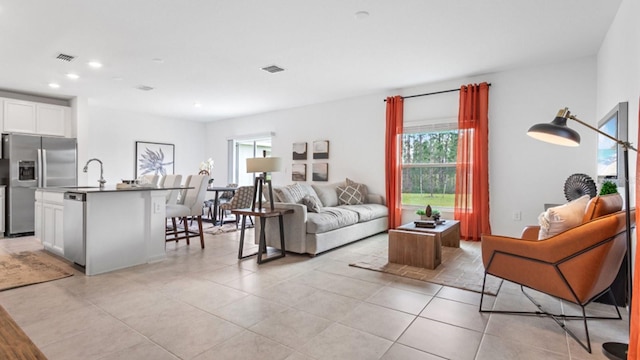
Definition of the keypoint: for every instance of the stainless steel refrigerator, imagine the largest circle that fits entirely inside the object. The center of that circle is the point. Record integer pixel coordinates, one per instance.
(32, 162)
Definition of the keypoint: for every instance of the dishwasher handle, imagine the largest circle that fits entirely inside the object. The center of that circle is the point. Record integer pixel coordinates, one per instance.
(75, 196)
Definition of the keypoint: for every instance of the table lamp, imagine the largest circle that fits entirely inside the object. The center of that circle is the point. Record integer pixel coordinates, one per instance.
(262, 165)
(557, 132)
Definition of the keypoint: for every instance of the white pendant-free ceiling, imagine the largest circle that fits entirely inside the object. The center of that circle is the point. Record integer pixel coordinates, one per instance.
(212, 52)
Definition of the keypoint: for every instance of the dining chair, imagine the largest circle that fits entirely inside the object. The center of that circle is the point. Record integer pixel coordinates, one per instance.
(151, 179)
(243, 198)
(190, 207)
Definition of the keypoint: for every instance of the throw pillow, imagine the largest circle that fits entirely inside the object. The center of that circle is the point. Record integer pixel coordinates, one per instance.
(363, 188)
(312, 204)
(349, 195)
(561, 218)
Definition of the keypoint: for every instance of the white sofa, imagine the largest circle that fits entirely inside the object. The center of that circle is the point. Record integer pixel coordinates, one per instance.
(314, 230)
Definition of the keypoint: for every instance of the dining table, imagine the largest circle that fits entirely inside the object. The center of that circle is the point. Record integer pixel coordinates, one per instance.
(216, 200)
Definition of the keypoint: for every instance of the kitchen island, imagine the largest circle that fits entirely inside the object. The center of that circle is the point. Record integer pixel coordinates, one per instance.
(103, 229)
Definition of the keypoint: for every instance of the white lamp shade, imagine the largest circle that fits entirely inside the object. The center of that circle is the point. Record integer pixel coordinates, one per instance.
(263, 165)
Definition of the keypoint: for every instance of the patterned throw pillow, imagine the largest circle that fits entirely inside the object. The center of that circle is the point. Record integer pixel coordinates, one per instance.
(312, 204)
(362, 187)
(349, 195)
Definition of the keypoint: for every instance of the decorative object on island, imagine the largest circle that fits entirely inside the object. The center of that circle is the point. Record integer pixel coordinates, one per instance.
(578, 185)
(262, 165)
(300, 151)
(154, 158)
(608, 187)
(557, 132)
(320, 172)
(299, 172)
(321, 149)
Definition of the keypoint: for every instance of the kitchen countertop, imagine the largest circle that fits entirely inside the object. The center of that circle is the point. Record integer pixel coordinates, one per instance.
(106, 189)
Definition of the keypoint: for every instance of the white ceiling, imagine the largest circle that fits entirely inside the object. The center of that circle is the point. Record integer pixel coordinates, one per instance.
(212, 50)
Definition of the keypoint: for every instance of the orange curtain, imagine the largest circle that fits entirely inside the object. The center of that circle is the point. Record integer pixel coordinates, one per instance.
(471, 205)
(634, 335)
(393, 159)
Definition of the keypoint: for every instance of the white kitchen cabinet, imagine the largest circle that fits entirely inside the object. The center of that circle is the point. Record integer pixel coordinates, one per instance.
(49, 220)
(51, 119)
(19, 116)
(28, 117)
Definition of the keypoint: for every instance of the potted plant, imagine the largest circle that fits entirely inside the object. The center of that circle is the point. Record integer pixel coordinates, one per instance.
(608, 187)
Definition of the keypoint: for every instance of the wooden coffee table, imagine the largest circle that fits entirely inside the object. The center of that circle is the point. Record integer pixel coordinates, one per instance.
(422, 247)
(448, 233)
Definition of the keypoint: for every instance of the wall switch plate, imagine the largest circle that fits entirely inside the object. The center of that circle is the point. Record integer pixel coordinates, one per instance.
(517, 216)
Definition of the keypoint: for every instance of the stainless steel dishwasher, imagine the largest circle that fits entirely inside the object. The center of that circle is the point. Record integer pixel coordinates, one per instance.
(74, 227)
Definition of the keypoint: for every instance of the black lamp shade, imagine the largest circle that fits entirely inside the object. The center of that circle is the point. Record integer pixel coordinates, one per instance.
(556, 132)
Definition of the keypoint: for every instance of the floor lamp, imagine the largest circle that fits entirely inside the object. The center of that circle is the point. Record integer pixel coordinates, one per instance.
(262, 165)
(557, 132)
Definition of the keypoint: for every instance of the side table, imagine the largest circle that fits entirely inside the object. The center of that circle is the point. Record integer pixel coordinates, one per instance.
(261, 214)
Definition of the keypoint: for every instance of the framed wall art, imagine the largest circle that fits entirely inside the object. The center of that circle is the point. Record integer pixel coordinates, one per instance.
(300, 151)
(321, 149)
(154, 158)
(299, 172)
(320, 172)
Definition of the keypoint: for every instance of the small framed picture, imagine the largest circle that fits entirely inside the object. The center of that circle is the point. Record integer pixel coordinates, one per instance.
(320, 172)
(321, 149)
(299, 172)
(154, 158)
(300, 151)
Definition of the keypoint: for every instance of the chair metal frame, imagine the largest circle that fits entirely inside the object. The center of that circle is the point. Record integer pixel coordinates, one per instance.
(541, 311)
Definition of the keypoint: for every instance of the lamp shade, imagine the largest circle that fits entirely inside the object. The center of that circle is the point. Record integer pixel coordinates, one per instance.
(263, 165)
(556, 132)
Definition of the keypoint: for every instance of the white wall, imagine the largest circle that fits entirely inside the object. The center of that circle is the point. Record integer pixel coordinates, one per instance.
(354, 128)
(524, 173)
(619, 73)
(111, 137)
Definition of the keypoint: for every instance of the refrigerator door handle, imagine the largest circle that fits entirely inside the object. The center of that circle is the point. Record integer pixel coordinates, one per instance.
(43, 169)
(39, 168)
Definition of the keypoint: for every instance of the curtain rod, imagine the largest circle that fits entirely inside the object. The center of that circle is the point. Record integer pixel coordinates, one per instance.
(431, 93)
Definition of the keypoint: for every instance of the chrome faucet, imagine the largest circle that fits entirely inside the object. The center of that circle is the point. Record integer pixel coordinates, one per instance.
(102, 181)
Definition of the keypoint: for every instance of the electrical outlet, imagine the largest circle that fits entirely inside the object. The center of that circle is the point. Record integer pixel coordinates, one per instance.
(517, 216)
(156, 208)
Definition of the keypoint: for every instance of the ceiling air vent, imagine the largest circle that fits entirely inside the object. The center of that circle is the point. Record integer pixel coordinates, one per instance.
(272, 69)
(144, 88)
(65, 57)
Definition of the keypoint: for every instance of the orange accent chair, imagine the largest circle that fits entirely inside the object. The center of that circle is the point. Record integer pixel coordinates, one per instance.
(577, 265)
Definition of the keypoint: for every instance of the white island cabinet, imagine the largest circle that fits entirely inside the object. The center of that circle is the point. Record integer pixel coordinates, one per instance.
(49, 220)
(113, 229)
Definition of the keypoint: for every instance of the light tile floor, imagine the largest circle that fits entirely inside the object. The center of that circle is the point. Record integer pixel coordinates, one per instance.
(206, 304)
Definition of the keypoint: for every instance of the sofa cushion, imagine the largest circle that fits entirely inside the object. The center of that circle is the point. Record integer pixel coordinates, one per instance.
(313, 204)
(349, 195)
(330, 218)
(327, 194)
(367, 212)
(602, 205)
(362, 187)
(561, 218)
(294, 193)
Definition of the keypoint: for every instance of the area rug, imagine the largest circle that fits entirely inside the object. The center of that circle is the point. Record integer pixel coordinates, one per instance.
(30, 267)
(14, 343)
(460, 268)
(220, 229)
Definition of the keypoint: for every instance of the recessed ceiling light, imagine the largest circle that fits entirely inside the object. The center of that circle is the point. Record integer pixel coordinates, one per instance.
(197, 105)
(95, 64)
(117, 78)
(54, 85)
(361, 15)
(157, 60)
(73, 76)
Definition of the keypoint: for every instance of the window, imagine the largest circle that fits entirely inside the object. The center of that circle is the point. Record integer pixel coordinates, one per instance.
(429, 165)
(239, 151)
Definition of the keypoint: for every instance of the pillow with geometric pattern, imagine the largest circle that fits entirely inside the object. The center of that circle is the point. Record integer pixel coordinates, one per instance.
(349, 195)
(362, 187)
